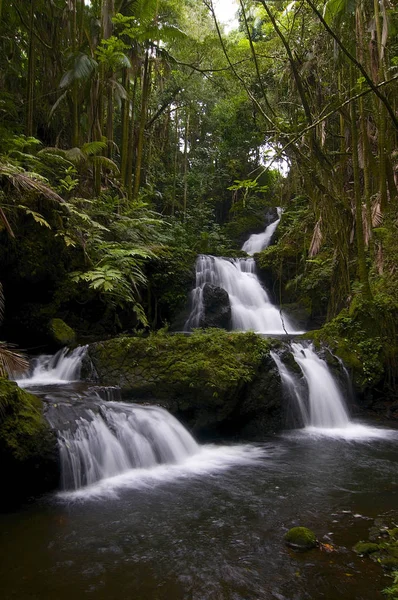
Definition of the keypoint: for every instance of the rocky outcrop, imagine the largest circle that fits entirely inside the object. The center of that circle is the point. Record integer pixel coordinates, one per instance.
(219, 384)
(28, 447)
(216, 307)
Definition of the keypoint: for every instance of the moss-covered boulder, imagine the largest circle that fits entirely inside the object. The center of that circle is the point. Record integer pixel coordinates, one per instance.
(28, 447)
(300, 538)
(217, 382)
(366, 548)
(61, 333)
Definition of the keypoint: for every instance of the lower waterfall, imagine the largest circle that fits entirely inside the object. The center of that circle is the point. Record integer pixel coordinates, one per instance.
(108, 439)
(319, 401)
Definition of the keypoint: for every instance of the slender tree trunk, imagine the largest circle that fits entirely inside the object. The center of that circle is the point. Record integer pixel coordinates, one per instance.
(131, 143)
(176, 149)
(141, 130)
(125, 130)
(30, 87)
(362, 267)
(186, 137)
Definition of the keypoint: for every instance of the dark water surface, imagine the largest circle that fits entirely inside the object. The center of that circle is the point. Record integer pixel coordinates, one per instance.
(207, 531)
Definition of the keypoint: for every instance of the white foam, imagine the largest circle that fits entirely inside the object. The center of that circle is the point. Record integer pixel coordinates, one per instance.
(352, 432)
(60, 369)
(209, 460)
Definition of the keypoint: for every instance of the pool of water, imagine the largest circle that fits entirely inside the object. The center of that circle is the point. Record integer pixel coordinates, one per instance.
(212, 528)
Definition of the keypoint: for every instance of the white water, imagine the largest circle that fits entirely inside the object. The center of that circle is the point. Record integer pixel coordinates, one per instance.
(117, 437)
(63, 367)
(326, 405)
(207, 461)
(320, 402)
(251, 308)
(293, 386)
(259, 241)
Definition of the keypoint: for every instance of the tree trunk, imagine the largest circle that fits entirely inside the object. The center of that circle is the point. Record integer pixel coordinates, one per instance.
(141, 131)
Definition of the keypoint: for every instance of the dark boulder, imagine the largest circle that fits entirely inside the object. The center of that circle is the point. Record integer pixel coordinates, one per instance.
(216, 307)
(28, 446)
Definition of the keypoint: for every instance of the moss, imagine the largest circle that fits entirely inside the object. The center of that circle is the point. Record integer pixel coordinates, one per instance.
(28, 447)
(62, 334)
(390, 563)
(301, 538)
(366, 548)
(211, 379)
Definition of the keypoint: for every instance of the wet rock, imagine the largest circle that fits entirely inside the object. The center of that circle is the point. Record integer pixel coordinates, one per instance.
(366, 547)
(218, 383)
(301, 538)
(390, 563)
(28, 447)
(217, 307)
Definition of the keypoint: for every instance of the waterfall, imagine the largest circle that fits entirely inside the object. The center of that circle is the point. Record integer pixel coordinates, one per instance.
(101, 440)
(293, 387)
(60, 368)
(321, 404)
(251, 307)
(259, 241)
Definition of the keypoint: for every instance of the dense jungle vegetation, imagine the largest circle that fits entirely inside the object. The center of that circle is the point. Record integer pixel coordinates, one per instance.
(138, 133)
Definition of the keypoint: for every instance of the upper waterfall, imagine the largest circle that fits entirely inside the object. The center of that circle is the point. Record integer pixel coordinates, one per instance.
(259, 241)
(251, 307)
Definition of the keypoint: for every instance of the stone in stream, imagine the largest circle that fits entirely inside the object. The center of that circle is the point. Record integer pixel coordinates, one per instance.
(301, 538)
(216, 307)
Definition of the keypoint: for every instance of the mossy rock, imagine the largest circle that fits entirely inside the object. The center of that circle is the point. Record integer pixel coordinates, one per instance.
(366, 548)
(28, 447)
(61, 333)
(301, 538)
(217, 383)
(390, 563)
(393, 533)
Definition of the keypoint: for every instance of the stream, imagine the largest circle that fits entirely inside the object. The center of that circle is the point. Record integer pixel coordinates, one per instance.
(145, 512)
(208, 525)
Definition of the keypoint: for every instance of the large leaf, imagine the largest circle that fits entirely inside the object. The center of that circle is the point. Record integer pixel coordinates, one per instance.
(83, 67)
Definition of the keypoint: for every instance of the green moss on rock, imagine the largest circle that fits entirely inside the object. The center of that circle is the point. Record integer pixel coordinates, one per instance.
(214, 380)
(62, 334)
(28, 447)
(390, 563)
(301, 538)
(366, 548)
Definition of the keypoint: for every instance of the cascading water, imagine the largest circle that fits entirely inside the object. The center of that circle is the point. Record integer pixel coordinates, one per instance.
(294, 388)
(326, 405)
(259, 241)
(60, 368)
(101, 440)
(251, 307)
(321, 403)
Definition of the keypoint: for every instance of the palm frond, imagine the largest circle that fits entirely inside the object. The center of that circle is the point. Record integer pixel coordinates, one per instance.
(82, 68)
(6, 222)
(106, 162)
(28, 181)
(11, 362)
(1, 303)
(93, 148)
(317, 237)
